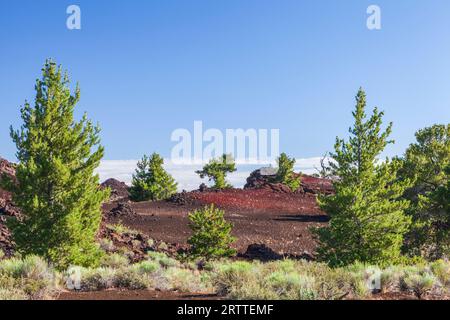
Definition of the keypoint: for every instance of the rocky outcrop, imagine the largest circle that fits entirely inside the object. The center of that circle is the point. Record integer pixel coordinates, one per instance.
(264, 179)
(7, 168)
(260, 178)
(261, 252)
(317, 185)
(137, 244)
(119, 190)
(6, 243)
(183, 198)
(123, 209)
(6, 206)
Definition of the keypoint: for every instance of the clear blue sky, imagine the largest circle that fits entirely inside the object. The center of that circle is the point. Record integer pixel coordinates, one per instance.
(149, 67)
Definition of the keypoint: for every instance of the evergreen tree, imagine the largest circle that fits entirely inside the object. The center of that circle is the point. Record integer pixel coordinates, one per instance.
(56, 188)
(151, 181)
(217, 170)
(426, 163)
(286, 174)
(211, 234)
(367, 220)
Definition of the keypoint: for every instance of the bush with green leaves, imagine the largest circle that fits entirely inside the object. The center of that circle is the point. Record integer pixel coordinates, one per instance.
(368, 218)
(211, 233)
(55, 187)
(427, 163)
(151, 181)
(217, 169)
(286, 174)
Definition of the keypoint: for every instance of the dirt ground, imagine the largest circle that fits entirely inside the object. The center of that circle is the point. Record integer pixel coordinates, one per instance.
(279, 220)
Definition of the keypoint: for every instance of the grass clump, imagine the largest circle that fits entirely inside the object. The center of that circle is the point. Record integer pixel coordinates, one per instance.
(441, 269)
(420, 283)
(163, 260)
(114, 261)
(97, 279)
(13, 294)
(120, 229)
(292, 286)
(107, 245)
(130, 278)
(147, 267)
(31, 277)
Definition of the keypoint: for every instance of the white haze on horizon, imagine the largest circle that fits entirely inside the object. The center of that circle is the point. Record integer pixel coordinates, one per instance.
(185, 175)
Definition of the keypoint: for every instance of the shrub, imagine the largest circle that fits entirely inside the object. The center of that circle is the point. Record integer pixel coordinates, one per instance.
(107, 245)
(119, 228)
(31, 275)
(285, 174)
(147, 267)
(131, 279)
(441, 269)
(12, 267)
(151, 181)
(162, 259)
(97, 279)
(12, 294)
(183, 280)
(163, 246)
(217, 170)
(228, 277)
(419, 283)
(211, 233)
(30, 267)
(114, 261)
(390, 278)
(292, 286)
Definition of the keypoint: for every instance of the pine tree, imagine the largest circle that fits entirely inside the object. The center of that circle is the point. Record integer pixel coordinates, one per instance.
(426, 163)
(56, 188)
(286, 174)
(151, 181)
(367, 220)
(211, 233)
(436, 205)
(217, 170)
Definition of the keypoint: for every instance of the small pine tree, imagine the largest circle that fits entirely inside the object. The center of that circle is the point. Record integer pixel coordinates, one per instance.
(151, 181)
(217, 170)
(211, 234)
(286, 174)
(367, 218)
(56, 188)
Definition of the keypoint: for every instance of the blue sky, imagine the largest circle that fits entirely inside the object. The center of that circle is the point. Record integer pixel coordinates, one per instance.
(148, 67)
